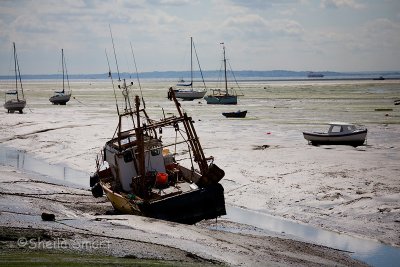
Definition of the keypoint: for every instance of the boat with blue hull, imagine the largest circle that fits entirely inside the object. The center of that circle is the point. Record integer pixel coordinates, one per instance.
(222, 97)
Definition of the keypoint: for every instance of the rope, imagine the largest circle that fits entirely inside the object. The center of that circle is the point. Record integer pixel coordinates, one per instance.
(77, 100)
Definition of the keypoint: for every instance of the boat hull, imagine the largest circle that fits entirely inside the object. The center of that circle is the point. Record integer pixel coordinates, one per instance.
(189, 95)
(188, 208)
(221, 100)
(237, 114)
(60, 99)
(15, 105)
(119, 202)
(353, 139)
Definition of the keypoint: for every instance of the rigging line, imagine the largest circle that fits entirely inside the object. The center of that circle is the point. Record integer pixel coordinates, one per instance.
(112, 81)
(15, 71)
(29, 108)
(115, 55)
(234, 77)
(198, 62)
(77, 100)
(66, 73)
(63, 72)
(137, 76)
(219, 81)
(19, 72)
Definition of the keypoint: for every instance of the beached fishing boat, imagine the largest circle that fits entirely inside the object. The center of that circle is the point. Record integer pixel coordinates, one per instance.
(222, 97)
(140, 176)
(15, 100)
(235, 114)
(185, 91)
(62, 97)
(339, 133)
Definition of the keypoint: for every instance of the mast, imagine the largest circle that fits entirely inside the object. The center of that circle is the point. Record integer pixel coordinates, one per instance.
(226, 80)
(115, 55)
(191, 62)
(62, 63)
(15, 69)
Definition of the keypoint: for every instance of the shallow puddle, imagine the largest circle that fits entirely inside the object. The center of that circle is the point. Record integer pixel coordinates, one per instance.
(25, 162)
(368, 251)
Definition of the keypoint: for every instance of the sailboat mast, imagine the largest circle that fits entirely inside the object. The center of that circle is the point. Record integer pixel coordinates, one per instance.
(62, 63)
(15, 69)
(226, 80)
(191, 62)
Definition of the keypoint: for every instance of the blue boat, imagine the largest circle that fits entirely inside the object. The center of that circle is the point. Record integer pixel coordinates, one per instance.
(235, 114)
(222, 97)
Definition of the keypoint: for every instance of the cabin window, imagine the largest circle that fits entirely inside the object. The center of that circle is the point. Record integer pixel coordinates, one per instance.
(336, 129)
(155, 152)
(128, 157)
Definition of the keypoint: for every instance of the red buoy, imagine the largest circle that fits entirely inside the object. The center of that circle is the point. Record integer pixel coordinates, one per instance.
(161, 179)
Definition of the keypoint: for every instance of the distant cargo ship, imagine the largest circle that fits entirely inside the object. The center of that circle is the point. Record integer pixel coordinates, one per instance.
(315, 75)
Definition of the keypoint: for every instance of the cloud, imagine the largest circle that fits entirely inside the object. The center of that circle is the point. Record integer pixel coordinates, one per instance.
(262, 4)
(170, 2)
(260, 33)
(382, 34)
(253, 25)
(341, 3)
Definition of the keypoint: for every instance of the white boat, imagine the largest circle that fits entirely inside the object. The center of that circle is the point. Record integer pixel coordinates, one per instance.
(62, 97)
(185, 91)
(339, 133)
(17, 101)
(222, 97)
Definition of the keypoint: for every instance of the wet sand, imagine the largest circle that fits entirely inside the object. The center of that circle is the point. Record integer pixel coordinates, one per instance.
(81, 226)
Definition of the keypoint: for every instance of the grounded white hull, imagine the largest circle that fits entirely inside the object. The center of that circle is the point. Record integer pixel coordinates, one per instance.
(355, 138)
(189, 94)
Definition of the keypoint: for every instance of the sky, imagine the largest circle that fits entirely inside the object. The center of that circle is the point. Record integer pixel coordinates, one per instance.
(298, 35)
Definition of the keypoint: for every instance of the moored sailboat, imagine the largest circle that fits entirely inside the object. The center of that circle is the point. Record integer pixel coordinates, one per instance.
(62, 97)
(185, 91)
(17, 101)
(219, 96)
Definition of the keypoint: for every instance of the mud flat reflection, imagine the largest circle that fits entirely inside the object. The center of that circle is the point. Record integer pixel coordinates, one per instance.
(368, 251)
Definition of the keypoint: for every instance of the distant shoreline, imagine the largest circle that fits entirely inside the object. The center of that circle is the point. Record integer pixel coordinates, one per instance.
(278, 75)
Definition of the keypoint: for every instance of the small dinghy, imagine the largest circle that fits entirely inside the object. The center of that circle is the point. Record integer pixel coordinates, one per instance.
(235, 114)
(339, 133)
